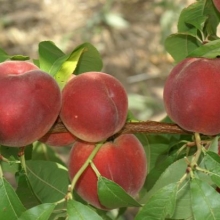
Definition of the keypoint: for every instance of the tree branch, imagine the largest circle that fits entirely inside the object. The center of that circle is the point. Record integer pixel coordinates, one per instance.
(150, 127)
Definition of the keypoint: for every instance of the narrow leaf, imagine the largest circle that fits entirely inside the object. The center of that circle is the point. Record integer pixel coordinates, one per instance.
(78, 211)
(111, 195)
(19, 57)
(160, 205)
(49, 180)
(40, 212)
(48, 54)
(205, 201)
(10, 205)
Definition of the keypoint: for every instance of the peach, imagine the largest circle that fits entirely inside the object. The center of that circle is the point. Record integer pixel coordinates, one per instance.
(122, 160)
(58, 139)
(217, 4)
(191, 95)
(30, 102)
(94, 106)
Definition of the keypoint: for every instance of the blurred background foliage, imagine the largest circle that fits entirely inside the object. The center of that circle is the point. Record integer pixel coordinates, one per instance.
(129, 34)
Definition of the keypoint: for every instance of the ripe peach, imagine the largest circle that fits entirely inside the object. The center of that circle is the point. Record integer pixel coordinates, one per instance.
(94, 106)
(191, 95)
(58, 139)
(30, 102)
(122, 160)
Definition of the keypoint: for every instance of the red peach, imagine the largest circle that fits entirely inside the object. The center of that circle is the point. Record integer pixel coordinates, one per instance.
(191, 95)
(122, 161)
(58, 139)
(30, 102)
(217, 4)
(94, 106)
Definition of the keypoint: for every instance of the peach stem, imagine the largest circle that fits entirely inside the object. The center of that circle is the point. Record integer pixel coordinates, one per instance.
(198, 152)
(85, 165)
(22, 159)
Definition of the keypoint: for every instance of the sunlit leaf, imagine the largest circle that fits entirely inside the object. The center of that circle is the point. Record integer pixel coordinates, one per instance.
(84, 58)
(48, 54)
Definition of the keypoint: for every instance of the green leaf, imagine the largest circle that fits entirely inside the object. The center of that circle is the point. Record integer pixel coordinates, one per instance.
(180, 45)
(212, 163)
(192, 19)
(83, 59)
(160, 205)
(11, 153)
(213, 18)
(19, 57)
(48, 54)
(25, 192)
(214, 145)
(10, 205)
(40, 212)
(68, 67)
(111, 195)
(147, 148)
(49, 180)
(205, 200)
(208, 50)
(42, 151)
(78, 211)
(155, 173)
(3, 55)
(172, 175)
(90, 59)
(57, 65)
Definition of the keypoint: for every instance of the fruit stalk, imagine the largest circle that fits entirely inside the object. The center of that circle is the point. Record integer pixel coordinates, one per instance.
(85, 165)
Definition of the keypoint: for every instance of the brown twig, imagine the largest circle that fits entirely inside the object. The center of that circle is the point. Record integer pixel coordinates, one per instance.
(150, 127)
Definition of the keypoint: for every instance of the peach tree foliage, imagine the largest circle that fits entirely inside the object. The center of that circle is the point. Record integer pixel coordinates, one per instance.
(173, 189)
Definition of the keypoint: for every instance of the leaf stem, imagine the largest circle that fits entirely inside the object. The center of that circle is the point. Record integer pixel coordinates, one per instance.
(84, 166)
(198, 152)
(98, 174)
(22, 159)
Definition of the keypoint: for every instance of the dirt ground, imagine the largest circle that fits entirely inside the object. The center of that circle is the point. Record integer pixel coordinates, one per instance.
(129, 34)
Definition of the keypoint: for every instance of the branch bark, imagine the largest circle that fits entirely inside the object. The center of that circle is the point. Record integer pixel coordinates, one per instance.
(149, 127)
